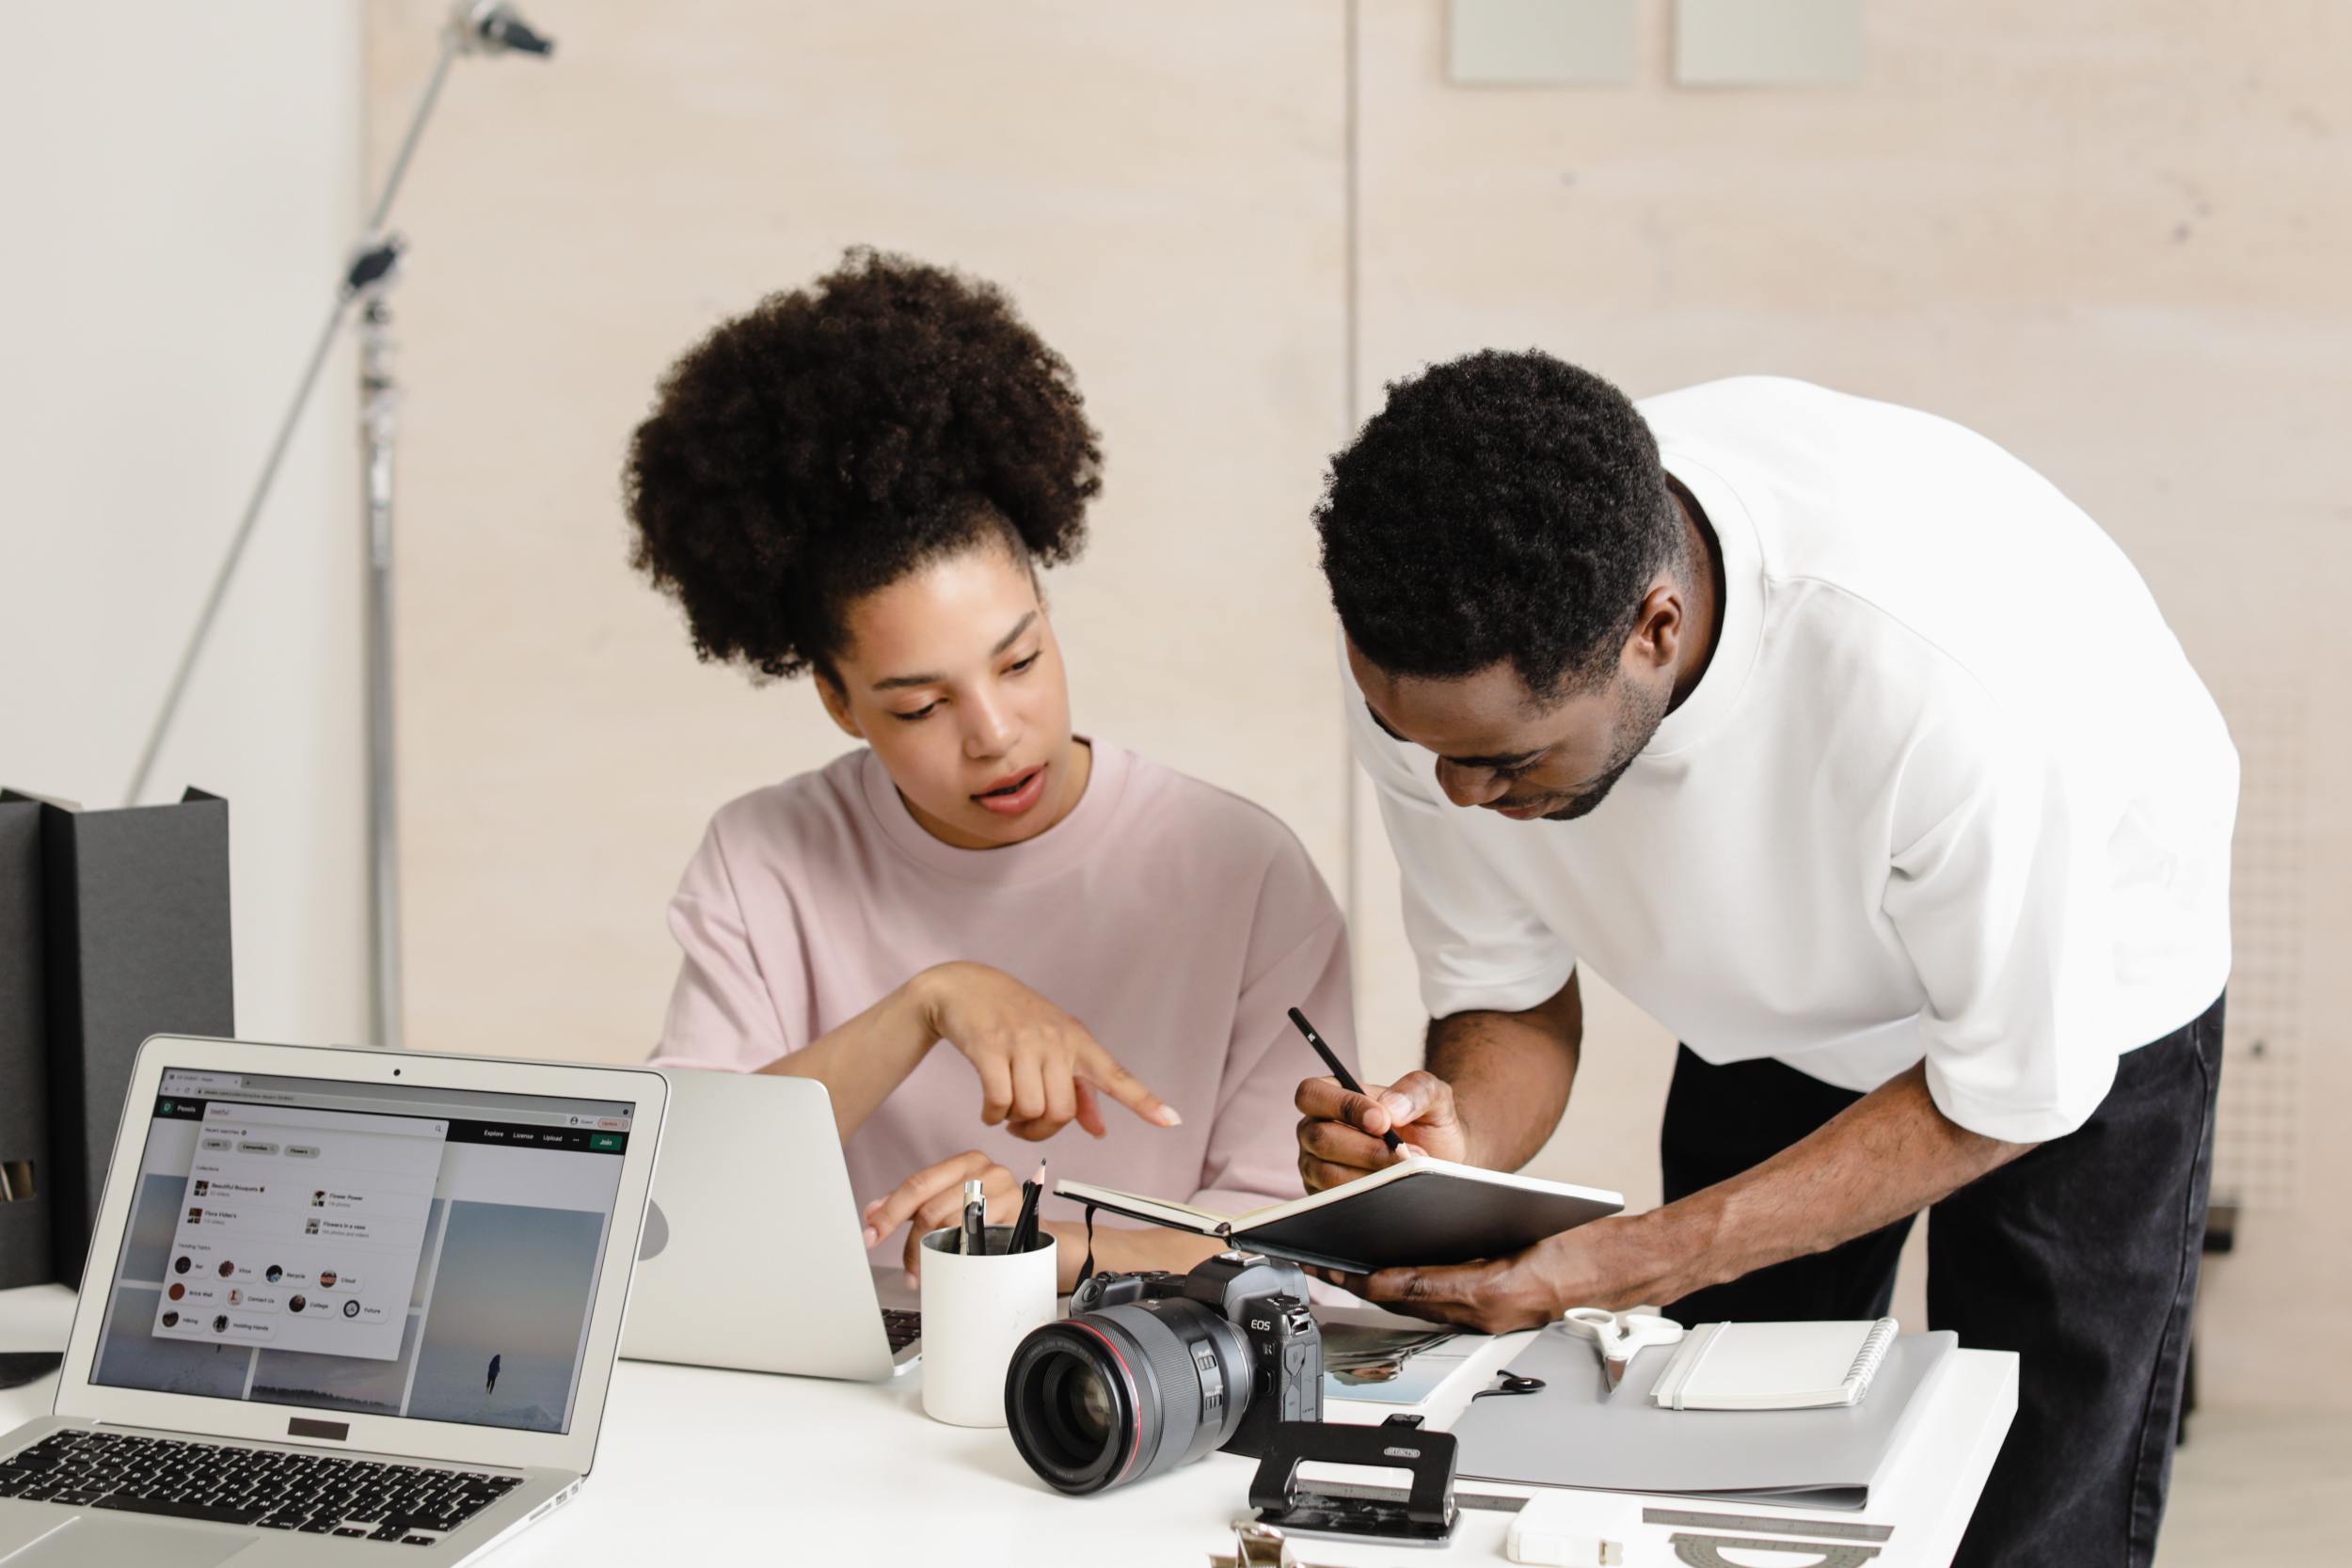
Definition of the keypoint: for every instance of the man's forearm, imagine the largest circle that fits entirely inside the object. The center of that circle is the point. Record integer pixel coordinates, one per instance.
(1510, 1073)
(1888, 1155)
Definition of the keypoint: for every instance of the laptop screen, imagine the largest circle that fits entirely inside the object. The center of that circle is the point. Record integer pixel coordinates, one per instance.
(402, 1251)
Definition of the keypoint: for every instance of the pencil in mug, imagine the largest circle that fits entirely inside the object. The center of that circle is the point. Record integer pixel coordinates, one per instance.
(1024, 1228)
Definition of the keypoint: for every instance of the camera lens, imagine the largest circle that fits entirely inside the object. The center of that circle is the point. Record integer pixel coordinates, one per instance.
(1078, 1409)
(1112, 1396)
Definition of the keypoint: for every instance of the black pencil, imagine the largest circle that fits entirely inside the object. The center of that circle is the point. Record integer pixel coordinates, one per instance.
(1024, 1228)
(1332, 1060)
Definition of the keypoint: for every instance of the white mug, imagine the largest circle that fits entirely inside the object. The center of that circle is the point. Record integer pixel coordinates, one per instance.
(975, 1310)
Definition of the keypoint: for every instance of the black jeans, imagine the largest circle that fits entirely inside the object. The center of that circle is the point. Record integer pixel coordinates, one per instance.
(2080, 1255)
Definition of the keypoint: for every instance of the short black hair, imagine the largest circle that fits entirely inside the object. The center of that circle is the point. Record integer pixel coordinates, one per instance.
(1501, 506)
(833, 438)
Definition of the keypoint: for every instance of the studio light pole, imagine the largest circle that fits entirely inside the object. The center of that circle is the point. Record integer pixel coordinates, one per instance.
(474, 28)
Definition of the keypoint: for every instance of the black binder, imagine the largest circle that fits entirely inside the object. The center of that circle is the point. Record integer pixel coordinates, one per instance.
(135, 930)
(25, 1173)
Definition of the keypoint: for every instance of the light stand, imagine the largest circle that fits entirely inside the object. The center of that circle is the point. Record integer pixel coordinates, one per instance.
(474, 28)
(379, 409)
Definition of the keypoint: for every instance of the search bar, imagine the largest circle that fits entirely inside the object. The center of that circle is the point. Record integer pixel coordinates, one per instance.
(221, 1114)
(448, 1108)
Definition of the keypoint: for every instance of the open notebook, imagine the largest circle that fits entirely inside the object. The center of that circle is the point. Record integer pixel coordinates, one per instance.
(1416, 1212)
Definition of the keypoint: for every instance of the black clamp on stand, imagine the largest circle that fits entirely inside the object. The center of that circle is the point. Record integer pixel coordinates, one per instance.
(1424, 1518)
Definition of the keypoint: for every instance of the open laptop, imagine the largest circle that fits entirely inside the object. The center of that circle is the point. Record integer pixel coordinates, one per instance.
(341, 1306)
(754, 1256)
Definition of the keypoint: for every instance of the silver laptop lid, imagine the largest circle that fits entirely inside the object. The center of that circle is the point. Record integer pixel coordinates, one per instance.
(754, 1259)
(390, 1251)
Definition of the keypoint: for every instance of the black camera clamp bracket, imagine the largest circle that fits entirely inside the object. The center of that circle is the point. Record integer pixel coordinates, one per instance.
(1424, 1518)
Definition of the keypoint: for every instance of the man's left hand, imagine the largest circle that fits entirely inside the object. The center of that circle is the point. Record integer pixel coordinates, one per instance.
(1613, 1262)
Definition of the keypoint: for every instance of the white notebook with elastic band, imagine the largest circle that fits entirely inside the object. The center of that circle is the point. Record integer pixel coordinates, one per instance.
(1791, 1366)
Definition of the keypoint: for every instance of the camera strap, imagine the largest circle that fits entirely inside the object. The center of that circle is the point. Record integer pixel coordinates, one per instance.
(1086, 1269)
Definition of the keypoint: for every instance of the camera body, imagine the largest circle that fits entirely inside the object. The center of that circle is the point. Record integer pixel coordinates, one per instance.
(1267, 1302)
(1153, 1370)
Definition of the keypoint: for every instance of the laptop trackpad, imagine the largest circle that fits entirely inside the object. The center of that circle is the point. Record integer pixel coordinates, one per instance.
(90, 1542)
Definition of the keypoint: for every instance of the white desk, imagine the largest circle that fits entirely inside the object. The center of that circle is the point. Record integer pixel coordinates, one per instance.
(700, 1467)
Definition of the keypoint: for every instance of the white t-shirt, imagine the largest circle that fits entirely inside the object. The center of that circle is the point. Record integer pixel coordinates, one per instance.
(1947, 788)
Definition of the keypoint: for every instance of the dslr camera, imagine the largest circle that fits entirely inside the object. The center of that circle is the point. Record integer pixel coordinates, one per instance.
(1153, 1370)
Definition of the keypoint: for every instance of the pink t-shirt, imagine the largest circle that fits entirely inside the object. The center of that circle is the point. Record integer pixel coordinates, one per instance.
(1175, 920)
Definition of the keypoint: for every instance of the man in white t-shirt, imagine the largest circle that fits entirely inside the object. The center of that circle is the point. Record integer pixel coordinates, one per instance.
(1852, 751)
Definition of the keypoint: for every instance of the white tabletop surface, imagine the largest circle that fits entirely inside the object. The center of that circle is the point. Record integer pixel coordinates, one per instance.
(710, 1466)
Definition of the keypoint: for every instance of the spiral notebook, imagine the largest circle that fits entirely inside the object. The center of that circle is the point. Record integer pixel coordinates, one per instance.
(1790, 1366)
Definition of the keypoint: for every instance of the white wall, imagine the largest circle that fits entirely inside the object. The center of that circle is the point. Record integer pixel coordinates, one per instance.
(179, 183)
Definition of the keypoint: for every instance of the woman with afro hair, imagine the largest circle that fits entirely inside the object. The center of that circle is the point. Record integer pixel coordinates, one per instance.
(978, 926)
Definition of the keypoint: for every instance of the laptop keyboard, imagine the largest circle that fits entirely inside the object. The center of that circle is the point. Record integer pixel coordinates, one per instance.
(903, 1328)
(267, 1488)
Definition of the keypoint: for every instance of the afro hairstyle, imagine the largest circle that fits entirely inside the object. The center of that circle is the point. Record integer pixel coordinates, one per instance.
(832, 439)
(1501, 506)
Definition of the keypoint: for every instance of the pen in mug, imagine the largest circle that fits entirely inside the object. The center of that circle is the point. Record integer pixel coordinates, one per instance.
(975, 1219)
(1339, 1070)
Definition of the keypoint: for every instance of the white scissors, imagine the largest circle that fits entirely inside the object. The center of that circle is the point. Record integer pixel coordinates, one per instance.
(1620, 1335)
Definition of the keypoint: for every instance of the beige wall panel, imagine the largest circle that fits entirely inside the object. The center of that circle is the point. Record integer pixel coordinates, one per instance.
(1158, 185)
(2111, 236)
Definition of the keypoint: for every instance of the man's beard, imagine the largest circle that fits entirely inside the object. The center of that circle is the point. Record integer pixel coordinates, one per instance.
(1639, 714)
